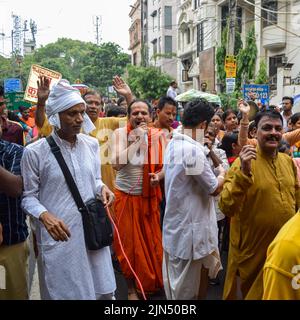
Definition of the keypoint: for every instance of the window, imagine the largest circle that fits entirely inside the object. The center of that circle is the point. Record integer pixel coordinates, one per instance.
(168, 17)
(168, 44)
(159, 44)
(154, 42)
(269, 18)
(158, 19)
(188, 36)
(134, 59)
(200, 38)
(197, 4)
(187, 63)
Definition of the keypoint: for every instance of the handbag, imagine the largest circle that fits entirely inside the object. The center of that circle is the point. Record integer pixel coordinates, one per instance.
(97, 228)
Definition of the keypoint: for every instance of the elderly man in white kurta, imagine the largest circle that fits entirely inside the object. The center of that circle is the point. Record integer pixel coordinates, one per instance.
(190, 234)
(67, 270)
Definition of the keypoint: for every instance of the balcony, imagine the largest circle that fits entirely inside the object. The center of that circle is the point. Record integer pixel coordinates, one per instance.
(273, 38)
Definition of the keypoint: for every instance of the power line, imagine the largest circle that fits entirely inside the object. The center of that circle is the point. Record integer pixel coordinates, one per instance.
(274, 24)
(269, 10)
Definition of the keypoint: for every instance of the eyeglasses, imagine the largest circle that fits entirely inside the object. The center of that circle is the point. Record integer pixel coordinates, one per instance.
(2, 103)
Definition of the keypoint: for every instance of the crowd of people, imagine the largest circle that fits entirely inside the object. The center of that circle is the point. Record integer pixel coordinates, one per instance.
(180, 191)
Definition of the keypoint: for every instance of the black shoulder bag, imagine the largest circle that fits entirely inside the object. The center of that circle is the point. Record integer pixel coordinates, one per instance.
(96, 224)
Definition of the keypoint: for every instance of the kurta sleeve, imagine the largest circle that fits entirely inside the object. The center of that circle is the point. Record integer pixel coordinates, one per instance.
(118, 122)
(292, 137)
(281, 277)
(46, 129)
(234, 190)
(197, 166)
(31, 181)
(278, 286)
(99, 182)
(222, 156)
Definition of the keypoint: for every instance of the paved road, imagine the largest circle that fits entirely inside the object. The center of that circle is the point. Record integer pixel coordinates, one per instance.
(214, 291)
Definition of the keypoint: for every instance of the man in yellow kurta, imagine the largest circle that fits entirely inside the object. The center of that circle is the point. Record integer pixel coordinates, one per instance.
(282, 267)
(260, 194)
(103, 131)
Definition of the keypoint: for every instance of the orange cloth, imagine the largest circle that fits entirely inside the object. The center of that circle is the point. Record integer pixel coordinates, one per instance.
(30, 122)
(138, 219)
(138, 222)
(220, 135)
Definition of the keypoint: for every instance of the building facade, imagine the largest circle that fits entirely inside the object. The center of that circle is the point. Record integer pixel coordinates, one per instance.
(197, 32)
(277, 38)
(135, 34)
(161, 38)
(189, 31)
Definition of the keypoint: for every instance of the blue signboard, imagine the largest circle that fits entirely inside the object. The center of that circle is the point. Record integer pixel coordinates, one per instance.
(262, 92)
(12, 85)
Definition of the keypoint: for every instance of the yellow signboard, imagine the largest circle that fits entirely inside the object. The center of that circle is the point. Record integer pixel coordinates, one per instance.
(35, 72)
(230, 66)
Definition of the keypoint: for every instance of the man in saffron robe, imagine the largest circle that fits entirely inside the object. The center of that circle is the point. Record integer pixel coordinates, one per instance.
(137, 157)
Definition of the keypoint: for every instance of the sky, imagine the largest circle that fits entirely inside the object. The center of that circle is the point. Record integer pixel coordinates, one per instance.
(65, 18)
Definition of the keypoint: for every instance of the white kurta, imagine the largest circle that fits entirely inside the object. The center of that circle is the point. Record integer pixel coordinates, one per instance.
(67, 269)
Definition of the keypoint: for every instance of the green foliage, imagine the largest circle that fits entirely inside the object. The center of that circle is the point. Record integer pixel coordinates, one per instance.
(230, 101)
(105, 61)
(220, 58)
(262, 76)
(74, 59)
(221, 54)
(246, 58)
(148, 82)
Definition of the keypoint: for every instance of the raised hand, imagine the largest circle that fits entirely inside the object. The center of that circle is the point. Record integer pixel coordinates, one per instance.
(247, 154)
(243, 107)
(43, 89)
(121, 87)
(208, 143)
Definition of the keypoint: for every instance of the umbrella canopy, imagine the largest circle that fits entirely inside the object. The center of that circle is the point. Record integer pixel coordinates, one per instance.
(195, 94)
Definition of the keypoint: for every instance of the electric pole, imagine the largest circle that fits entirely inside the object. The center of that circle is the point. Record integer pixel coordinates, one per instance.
(230, 60)
(98, 25)
(232, 26)
(33, 29)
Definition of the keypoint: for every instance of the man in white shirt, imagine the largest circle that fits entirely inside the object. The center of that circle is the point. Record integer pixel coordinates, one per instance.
(67, 270)
(190, 233)
(287, 104)
(172, 93)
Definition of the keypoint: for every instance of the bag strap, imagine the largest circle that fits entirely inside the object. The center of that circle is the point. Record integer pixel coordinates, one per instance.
(67, 174)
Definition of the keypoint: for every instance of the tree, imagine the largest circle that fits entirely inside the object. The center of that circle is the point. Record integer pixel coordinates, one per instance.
(148, 82)
(220, 58)
(221, 53)
(105, 61)
(5, 68)
(246, 59)
(262, 76)
(74, 59)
